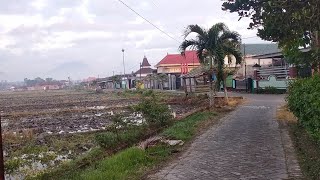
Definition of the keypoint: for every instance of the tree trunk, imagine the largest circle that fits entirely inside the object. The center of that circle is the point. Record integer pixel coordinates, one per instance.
(211, 100)
(225, 89)
(211, 91)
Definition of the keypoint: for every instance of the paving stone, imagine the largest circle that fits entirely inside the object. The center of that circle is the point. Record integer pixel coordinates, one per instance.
(246, 145)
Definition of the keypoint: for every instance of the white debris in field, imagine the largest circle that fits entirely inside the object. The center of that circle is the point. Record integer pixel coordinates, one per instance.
(92, 129)
(111, 113)
(99, 114)
(34, 162)
(97, 107)
(4, 122)
(61, 132)
(134, 119)
(174, 114)
(174, 142)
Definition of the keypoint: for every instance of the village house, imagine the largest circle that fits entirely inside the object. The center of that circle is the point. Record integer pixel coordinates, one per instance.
(174, 65)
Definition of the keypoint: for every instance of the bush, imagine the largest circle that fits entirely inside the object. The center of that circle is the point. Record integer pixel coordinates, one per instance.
(304, 101)
(112, 140)
(156, 113)
(107, 140)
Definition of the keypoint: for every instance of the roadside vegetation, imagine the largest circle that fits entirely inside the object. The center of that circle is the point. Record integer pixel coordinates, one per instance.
(304, 101)
(299, 41)
(46, 130)
(119, 154)
(302, 117)
(134, 162)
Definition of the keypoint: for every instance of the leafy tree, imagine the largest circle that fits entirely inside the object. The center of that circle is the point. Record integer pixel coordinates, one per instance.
(214, 44)
(293, 24)
(39, 80)
(49, 79)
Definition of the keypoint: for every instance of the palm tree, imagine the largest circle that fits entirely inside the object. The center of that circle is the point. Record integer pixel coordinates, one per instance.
(215, 44)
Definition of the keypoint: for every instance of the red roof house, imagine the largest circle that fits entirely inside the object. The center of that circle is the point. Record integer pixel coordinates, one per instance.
(178, 64)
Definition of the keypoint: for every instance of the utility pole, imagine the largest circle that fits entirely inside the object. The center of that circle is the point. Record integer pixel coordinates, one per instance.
(1, 154)
(124, 69)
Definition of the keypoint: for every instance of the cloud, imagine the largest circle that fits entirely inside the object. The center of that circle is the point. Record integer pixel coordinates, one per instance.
(43, 37)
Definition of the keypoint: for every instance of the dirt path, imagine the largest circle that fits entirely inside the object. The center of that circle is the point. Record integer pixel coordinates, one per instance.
(247, 145)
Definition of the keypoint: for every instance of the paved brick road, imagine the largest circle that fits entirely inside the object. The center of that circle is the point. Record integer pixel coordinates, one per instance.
(246, 145)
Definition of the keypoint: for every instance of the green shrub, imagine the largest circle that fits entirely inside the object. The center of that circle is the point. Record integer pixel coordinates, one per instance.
(112, 140)
(107, 140)
(156, 113)
(304, 101)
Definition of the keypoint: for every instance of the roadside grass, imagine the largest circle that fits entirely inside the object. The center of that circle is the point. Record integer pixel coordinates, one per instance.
(185, 129)
(285, 115)
(132, 163)
(307, 148)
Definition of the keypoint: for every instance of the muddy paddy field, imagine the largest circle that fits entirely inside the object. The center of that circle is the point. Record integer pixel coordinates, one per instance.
(43, 129)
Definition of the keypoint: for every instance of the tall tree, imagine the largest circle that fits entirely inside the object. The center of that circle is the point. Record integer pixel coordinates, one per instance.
(215, 44)
(293, 24)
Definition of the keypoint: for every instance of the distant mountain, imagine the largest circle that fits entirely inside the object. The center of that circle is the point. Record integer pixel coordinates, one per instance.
(74, 69)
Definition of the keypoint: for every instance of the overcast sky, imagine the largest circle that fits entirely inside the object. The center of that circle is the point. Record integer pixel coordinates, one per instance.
(81, 38)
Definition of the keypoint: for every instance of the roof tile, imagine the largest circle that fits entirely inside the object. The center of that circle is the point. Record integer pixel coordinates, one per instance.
(190, 57)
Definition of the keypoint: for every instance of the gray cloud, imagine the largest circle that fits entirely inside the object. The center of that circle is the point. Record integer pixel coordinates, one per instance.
(61, 38)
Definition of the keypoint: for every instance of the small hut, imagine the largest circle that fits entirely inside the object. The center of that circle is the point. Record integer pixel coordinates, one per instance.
(197, 81)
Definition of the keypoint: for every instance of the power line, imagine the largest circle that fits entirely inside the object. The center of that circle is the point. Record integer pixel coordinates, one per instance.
(148, 21)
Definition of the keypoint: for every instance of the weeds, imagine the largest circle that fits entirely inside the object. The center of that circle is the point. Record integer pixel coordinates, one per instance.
(184, 130)
(156, 113)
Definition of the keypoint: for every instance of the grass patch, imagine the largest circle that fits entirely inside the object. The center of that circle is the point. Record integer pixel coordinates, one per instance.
(285, 115)
(120, 166)
(185, 129)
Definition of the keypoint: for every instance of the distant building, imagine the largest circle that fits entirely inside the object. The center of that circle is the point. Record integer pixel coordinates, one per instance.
(89, 79)
(174, 65)
(178, 64)
(251, 51)
(145, 69)
(46, 86)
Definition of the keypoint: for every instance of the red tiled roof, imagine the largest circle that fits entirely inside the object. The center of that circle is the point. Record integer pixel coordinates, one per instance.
(190, 57)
